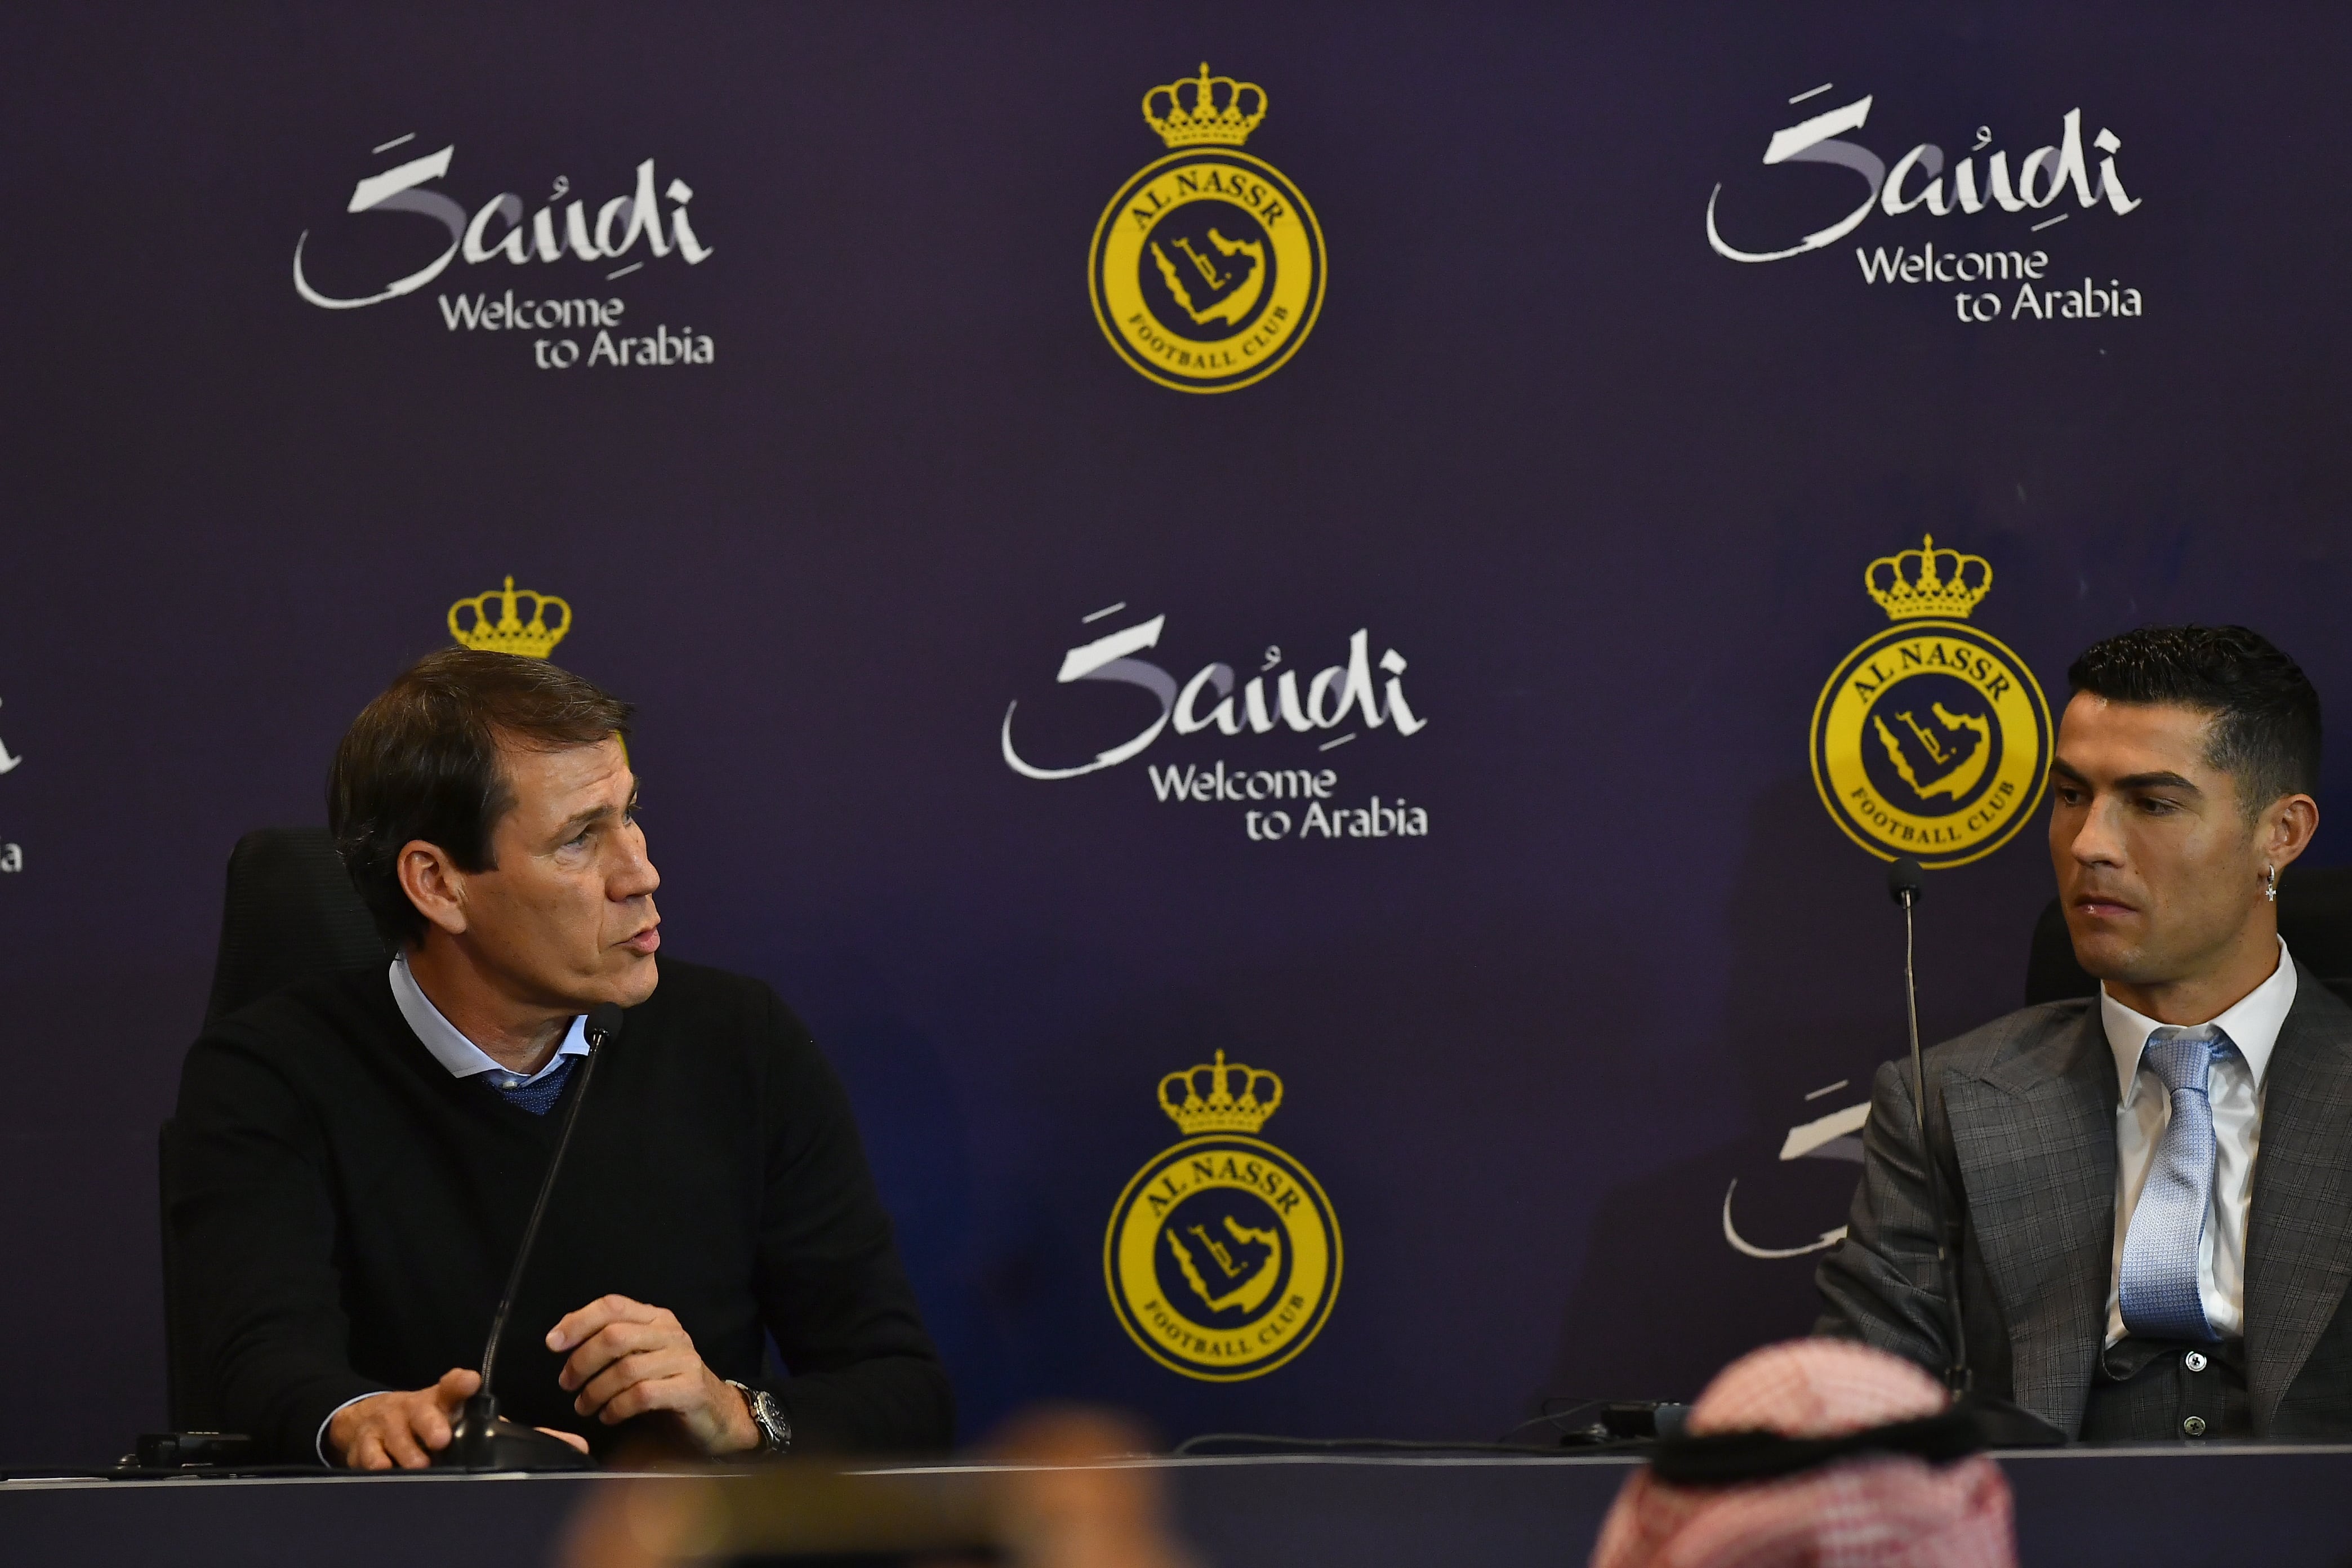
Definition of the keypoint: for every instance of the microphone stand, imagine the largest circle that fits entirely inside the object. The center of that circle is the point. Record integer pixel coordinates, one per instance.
(1905, 880)
(2003, 1424)
(482, 1439)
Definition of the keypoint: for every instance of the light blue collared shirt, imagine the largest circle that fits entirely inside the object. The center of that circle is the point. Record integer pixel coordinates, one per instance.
(463, 1058)
(454, 1051)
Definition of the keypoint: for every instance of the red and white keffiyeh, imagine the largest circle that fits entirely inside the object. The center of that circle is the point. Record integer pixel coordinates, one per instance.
(1870, 1512)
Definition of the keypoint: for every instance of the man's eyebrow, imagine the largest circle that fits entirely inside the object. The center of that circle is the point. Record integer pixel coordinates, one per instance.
(580, 819)
(2158, 781)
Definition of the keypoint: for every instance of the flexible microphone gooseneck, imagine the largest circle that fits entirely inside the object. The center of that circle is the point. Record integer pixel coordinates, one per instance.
(2003, 1424)
(482, 1439)
(1905, 882)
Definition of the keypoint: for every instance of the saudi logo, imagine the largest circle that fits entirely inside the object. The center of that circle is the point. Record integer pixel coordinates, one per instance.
(1932, 740)
(1223, 1257)
(1207, 266)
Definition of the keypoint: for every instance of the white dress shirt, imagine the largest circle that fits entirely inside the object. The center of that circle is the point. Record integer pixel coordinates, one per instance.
(2235, 1088)
(463, 1058)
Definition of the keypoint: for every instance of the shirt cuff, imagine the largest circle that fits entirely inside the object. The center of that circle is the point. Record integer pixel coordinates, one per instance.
(319, 1443)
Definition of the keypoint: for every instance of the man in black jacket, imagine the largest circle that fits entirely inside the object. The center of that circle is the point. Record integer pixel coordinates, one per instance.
(361, 1151)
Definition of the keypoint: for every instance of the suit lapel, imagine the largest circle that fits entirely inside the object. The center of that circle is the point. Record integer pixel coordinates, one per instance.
(2035, 1136)
(2299, 1232)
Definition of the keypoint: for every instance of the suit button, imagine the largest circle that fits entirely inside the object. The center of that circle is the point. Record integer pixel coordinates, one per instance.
(2194, 1361)
(2194, 1425)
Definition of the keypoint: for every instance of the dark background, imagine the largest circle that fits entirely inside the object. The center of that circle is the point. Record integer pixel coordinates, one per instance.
(1609, 493)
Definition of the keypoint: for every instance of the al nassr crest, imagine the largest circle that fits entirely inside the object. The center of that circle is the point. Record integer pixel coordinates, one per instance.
(1932, 739)
(1207, 266)
(1223, 1256)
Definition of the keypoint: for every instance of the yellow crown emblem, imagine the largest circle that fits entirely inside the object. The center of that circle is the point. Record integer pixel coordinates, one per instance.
(1220, 1109)
(1932, 588)
(510, 633)
(1194, 117)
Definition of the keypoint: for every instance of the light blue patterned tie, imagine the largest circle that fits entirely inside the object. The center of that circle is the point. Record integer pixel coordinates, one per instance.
(2159, 1295)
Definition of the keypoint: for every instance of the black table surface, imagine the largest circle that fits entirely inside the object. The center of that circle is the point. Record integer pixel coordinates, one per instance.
(2250, 1506)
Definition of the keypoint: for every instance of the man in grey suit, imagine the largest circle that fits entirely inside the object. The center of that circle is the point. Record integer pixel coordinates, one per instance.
(2149, 1194)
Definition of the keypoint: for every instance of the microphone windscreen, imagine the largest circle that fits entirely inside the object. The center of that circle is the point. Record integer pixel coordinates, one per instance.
(604, 1023)
(1904, 879)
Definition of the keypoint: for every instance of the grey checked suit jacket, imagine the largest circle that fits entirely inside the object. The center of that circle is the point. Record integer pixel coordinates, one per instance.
(2021, 1117)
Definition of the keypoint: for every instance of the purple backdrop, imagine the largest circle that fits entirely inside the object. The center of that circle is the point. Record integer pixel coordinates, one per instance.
(1607, 491)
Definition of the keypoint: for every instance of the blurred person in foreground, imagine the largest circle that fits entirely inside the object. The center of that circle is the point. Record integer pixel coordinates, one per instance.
(360, 1151)
(1862, 1503)
(2151, 1189)
(1060, 1488)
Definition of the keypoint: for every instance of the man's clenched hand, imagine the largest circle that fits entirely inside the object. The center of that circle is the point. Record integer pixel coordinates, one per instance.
(628, 1359)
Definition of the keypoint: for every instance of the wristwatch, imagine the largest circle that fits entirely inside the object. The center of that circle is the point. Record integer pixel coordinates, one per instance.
(768, 1415)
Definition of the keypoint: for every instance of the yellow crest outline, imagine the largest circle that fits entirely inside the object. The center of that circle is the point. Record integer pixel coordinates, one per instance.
(1164, 1331)
(1838, 737)
(1204, 132)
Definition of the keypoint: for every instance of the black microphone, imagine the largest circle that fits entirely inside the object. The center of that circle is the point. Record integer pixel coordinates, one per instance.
(2003, 1424)
(482, 1439)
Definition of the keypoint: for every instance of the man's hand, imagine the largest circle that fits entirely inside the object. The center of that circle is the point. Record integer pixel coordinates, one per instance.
(628, 1359)
(407, 1429)
(402, 1429)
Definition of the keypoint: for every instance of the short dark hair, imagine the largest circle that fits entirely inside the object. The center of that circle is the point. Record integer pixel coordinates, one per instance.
(421, 762)
(2265, 731)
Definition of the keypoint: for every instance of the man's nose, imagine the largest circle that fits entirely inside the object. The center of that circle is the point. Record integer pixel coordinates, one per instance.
(2097, 841)
(635, 878)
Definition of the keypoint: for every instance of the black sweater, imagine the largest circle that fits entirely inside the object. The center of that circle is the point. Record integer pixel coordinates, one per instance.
(346, 1212)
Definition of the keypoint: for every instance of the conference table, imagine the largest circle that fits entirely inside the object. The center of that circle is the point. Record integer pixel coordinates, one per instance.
(2179, 1507)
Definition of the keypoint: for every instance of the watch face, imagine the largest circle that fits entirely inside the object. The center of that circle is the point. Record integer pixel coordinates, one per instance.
(766, 1415)
(770, 1415)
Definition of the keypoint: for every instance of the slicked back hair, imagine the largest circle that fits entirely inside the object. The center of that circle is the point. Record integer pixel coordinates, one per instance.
(422, 762)
(2265, 731)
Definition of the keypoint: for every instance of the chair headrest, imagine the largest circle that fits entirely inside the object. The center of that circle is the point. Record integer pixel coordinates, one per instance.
(290, 912)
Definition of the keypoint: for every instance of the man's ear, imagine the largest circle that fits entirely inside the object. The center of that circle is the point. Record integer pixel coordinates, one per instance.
(2287, 828)
(433, 884)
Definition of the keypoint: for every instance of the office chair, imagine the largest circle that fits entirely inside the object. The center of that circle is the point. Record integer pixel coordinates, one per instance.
(290, 914)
